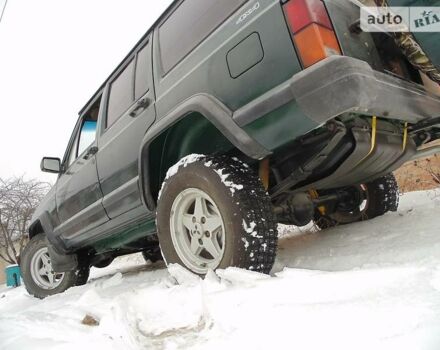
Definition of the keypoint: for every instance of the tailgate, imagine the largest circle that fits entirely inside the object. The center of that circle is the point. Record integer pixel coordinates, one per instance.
(379, 50)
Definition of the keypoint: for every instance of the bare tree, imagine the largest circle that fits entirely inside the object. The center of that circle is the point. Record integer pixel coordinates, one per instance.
(18, 199)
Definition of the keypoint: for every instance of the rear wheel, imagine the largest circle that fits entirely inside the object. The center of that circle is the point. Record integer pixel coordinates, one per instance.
(38, 275)
(214, 213)
(385, 192)
(366, 202)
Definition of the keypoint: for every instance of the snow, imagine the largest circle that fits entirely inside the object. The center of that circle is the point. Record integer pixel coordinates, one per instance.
(231, 185)
(246, 243)
(250, 228)
(184, 162)
(371, 285)
(192, 158)
(15, 265)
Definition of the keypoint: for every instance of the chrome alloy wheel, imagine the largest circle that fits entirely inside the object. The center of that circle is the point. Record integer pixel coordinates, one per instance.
(197, 230)
(42, 272)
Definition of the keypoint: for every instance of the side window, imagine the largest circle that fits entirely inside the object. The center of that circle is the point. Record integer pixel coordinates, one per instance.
(143, 71)
(189, 25)
(72, 154)
(87, 135)
(121, 95)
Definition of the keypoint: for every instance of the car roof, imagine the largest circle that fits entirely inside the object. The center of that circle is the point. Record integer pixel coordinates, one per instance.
(101, 88)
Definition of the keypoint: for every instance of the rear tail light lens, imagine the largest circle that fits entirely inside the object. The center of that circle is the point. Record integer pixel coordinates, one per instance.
(312, 30)
(303, 12)
(314, 43)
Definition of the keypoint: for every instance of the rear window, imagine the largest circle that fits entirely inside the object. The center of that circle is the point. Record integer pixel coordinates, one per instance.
(189, 25)
(143, 71)
(121, 95)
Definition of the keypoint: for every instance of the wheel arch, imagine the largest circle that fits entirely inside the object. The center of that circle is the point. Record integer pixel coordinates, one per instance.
(43, 225)
(35, 228)
(201, 124)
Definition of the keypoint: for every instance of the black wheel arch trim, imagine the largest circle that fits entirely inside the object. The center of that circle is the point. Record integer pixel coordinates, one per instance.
(47, 229)
(216, 113)
(62, 261)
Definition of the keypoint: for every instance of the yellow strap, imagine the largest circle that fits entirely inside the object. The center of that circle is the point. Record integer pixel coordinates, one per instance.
(405, 137)
(264, 172)
(373, 135)
(373, 138)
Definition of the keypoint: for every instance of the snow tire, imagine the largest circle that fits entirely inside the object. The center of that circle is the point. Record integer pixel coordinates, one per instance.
(244, 205)
(383, 196)
(70, 279)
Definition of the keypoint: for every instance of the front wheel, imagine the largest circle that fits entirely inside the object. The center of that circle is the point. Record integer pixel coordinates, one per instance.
(39, 277)
(213, 212)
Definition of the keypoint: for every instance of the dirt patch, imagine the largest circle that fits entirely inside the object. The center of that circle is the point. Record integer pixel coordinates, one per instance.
(90, 321)
(418, 175)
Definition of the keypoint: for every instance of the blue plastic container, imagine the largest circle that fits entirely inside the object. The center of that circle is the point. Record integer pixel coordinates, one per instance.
(13, 276)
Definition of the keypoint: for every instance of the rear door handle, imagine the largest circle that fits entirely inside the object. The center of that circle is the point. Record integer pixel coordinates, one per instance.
(91, 152)
(140, 105)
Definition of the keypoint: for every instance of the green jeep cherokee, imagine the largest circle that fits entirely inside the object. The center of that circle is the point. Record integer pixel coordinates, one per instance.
(227, 118)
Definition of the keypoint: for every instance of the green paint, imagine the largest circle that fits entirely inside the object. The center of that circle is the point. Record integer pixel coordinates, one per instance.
(280, 127)
(193, 134)
(126, 236)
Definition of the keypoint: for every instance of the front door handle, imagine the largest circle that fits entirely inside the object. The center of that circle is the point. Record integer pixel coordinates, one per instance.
(91, 152)
(140, 105)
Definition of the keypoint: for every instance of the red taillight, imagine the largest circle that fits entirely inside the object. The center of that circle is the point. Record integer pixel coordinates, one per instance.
(301, 13)
(312, 30)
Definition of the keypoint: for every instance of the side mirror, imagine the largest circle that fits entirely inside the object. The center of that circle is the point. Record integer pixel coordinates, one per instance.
(51, 165)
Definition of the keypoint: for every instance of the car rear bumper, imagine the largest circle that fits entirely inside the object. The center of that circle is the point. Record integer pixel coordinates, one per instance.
(341, 84)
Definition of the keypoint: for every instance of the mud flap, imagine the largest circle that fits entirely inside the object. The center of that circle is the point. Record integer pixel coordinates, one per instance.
(61, 262)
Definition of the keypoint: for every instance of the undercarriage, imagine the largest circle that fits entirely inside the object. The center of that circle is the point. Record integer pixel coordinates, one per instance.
(333, 172)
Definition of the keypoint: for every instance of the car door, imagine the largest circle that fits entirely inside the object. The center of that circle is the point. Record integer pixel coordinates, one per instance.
(79, 196)
(129, 113)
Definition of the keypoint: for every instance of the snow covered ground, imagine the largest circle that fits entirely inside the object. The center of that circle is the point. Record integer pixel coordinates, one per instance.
(372, 285)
